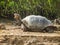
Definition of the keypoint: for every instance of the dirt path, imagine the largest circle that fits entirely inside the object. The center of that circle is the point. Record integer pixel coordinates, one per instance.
(15, 30)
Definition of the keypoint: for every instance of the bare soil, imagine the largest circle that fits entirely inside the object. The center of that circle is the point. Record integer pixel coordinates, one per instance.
(13, 35)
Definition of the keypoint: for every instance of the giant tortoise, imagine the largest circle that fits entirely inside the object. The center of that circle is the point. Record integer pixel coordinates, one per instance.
(37, 23)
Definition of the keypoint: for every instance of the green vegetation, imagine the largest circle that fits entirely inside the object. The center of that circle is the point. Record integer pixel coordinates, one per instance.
(46, 8)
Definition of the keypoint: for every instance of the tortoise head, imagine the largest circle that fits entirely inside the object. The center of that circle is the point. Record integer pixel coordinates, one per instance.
(17, 16)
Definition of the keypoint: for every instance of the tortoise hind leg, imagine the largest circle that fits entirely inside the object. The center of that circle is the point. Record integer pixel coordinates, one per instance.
(50, 29)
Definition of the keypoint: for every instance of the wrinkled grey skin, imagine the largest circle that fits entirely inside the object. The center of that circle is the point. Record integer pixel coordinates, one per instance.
(35, 23)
